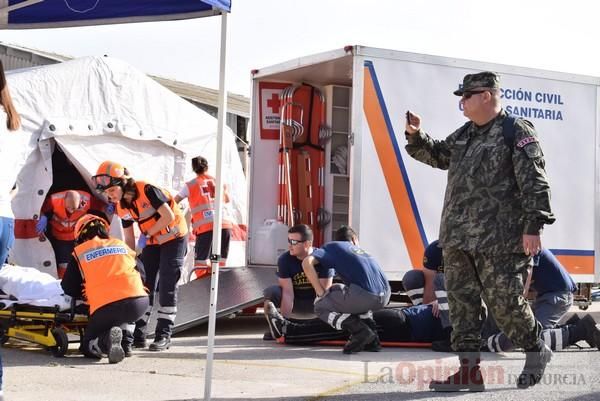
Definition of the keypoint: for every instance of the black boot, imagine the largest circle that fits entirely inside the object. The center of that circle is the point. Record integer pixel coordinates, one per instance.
(139, 335)
(127, 343)
(360, 334)
(536, 360)
(444, 345)
(160, 343)
(91, 349)
(467, 378)
(127, 349)
(375, 345)
(585, 329)
(574, 319)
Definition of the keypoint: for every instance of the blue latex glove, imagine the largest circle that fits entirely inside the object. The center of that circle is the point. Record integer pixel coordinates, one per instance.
(41, 225)
(110, 208)
(141, 244)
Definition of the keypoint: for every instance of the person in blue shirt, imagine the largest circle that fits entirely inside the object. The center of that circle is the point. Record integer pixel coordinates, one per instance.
(426, 286)
(365, 289)
(554, 290)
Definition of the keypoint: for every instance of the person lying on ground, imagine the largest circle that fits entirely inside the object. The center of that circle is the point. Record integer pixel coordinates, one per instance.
(393, 325)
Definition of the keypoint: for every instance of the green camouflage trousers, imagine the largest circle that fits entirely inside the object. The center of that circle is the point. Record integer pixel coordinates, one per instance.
(497, 280)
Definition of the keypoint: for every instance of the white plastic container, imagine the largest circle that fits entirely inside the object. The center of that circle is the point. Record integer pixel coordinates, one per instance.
(269, 241)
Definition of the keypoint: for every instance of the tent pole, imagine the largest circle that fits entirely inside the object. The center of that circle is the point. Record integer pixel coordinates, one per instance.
(217, 222)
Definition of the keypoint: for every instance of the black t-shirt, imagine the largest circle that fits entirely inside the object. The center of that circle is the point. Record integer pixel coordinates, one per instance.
(156, 197)
(289, 266)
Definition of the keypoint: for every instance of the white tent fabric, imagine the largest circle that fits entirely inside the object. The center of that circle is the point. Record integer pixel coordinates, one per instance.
(99, 109)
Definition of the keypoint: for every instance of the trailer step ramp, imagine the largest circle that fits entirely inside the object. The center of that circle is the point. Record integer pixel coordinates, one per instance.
(239, 288)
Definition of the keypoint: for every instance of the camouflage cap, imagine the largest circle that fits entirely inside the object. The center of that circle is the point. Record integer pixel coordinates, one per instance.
(486, 79)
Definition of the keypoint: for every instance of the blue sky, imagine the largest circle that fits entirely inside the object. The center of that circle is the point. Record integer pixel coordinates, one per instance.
(554, 35)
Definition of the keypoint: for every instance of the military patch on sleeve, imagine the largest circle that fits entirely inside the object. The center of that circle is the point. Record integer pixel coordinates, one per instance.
(525, 141)
(533, 150)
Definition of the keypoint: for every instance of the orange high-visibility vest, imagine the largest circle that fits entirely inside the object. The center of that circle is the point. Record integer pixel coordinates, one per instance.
(202, 204)
(146, 216)
(62, 226)
(108, 270)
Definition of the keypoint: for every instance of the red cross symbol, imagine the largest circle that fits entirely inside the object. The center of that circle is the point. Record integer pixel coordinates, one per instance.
(208, 189)
(274, 103)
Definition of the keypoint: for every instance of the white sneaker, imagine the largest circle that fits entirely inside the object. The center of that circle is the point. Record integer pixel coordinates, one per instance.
(275, 320)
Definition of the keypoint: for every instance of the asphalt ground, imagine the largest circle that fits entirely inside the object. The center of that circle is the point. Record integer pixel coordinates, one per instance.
(248, 368)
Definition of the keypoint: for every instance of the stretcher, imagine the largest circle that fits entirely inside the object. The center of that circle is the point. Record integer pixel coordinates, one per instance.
(301, 163)
(42, 325)
(342, 342)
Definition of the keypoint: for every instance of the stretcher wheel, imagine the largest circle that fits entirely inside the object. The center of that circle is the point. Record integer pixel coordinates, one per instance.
(3, 337)
(62, 342)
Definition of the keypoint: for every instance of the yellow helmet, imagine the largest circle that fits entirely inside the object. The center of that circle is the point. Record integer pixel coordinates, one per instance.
(84, 221)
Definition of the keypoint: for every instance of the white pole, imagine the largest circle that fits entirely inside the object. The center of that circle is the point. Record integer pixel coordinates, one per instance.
(216, 240)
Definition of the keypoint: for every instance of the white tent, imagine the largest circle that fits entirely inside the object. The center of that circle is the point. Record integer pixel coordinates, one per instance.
(97, 109)
(56, 14)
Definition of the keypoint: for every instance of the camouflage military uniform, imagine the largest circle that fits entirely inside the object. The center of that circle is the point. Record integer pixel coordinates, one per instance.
(495, 194)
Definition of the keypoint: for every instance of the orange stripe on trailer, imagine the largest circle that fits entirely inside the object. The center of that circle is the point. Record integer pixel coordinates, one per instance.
(577, 264)
(397, 188)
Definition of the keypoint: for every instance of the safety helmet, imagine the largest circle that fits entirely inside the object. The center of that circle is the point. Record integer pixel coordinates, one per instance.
(108, 175)
(84, 223)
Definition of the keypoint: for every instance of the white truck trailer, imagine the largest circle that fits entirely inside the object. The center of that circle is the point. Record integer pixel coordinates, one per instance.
(395, 202)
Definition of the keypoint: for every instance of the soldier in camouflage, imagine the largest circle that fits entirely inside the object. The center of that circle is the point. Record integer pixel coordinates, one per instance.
(496, 203)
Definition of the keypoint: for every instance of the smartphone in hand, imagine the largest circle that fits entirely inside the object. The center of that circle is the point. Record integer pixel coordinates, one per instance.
(408, 117)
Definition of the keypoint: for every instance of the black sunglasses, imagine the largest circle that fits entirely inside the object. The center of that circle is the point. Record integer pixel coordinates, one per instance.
(468, 94)
(294, 241)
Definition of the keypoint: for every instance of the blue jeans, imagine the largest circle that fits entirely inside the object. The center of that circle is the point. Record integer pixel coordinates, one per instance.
(7, 237)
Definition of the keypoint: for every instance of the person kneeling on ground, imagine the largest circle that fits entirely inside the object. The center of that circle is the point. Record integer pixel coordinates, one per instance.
(554, 290)
(293, 293)
(103, 272)
(349, 306)
(426, 286)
